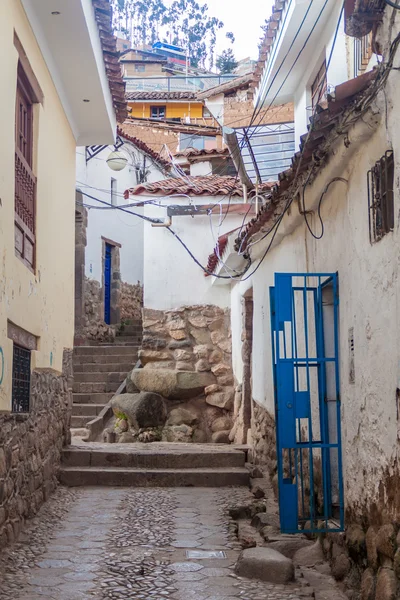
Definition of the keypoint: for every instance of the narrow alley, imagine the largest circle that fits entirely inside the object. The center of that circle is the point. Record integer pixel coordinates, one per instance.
(135, 544)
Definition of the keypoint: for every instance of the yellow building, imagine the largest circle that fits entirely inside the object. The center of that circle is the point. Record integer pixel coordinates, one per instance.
(168, 105)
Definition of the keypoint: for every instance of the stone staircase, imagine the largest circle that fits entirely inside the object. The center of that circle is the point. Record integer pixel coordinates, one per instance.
(157, 464)
(98, 372)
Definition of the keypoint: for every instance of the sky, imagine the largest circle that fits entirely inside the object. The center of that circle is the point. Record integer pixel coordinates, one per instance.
(244, 18)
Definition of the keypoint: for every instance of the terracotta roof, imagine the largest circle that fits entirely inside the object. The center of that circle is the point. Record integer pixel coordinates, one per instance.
(228, 87)
(314, 151)
(193, 153)
(209, 185)
(103, 15)
(271, 29)
(213, 259)
(146, 95)
(142, 146)
(205, 130)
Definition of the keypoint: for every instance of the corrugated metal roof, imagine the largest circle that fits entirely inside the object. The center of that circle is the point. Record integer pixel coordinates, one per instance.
(266, 150)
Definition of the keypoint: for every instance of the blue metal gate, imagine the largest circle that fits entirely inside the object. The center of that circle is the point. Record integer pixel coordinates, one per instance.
(107, 284)
(305, 342)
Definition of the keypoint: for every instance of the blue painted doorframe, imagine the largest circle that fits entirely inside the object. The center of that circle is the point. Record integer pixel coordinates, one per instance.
(107, 284)
(305, 346)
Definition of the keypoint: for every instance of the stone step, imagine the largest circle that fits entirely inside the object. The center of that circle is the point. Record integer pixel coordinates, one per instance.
(103, 359)
(104, 377)
(110, 367)
(114, 476)
(103, 350)
(95, 387)
(152, 459)
(101, 398)
(81, 421)
(92, 410)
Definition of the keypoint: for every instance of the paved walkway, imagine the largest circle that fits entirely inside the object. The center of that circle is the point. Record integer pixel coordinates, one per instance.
(135, 544)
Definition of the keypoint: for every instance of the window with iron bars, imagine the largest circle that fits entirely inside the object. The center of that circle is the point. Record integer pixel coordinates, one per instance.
(362, 53)
(21, 379)
(319, 87)
(380, 181)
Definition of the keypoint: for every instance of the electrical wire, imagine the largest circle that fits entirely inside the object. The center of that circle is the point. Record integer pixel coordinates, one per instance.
(321, 235)
(393, 4)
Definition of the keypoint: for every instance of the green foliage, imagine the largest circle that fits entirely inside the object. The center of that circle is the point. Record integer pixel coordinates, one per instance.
(121, 416)
(226, 62)
(184, 23)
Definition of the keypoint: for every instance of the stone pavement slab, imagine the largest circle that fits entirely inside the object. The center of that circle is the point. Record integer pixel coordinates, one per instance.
(132, 544)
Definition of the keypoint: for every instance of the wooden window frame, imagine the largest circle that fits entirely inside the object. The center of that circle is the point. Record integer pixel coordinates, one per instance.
(362, 53)
(158, 107)
(28, 93)
(380, 181)
(319, 87)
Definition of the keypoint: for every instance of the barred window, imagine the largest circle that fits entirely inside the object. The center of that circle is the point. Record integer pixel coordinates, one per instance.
(319, 87)
(21, 379)
(381, 197)
(25, 181)
(362, 53)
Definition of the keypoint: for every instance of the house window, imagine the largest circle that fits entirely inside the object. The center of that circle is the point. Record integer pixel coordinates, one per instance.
(381, 197)
(21, 379)
(113, 191)
(140, 68)
(158, 112)
(25, 181)
(319, 87)
(362, 53)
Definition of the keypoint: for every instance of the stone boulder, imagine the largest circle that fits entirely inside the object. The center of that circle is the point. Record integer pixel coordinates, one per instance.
(178, 434)
(181, 416)
(223, 423)
(222, 400)
(174, 385)
(265, 564)
(220, 437)
(142, 410)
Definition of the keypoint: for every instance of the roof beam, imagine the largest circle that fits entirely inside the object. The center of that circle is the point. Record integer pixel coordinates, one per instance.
(231, 141)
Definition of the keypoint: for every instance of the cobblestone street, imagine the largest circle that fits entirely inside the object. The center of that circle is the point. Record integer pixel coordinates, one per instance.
(144, 544)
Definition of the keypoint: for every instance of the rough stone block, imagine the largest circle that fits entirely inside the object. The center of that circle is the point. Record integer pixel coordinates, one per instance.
(368, 585)
(309, 555)
(386, 585)
(265, 564)
(220, 437)
(222, 424)
(178, 334)
(221, 399)
(372, 553)
(181, 416)
(386, 540)
(178, 385)
(143, 410)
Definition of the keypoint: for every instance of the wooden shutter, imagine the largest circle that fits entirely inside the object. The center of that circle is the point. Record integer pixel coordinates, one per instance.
(25, 181)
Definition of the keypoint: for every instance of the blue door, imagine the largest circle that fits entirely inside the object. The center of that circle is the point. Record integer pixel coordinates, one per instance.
(107, 285)
(304, 327)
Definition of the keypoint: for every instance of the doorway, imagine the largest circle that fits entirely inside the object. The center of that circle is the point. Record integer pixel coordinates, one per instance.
(107, 283)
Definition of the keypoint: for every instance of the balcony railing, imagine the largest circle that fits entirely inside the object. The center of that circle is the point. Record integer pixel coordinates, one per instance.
(175, 84)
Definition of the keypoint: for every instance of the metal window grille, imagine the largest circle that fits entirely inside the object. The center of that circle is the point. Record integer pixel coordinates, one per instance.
(21, 379)
(319, 86)
(380, 181)
(362, 53)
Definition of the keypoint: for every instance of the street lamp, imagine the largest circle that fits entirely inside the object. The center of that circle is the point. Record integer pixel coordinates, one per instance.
(117, 161)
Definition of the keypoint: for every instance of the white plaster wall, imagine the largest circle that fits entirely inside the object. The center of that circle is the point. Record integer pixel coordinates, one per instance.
(369, 302)
(215, 105)
(337, 72)
(171, 278)
(94, 178)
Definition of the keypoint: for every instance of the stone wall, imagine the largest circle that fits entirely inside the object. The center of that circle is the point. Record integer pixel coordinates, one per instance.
(194, 338)
(131, 302)
(93, 326)
(30, 448)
